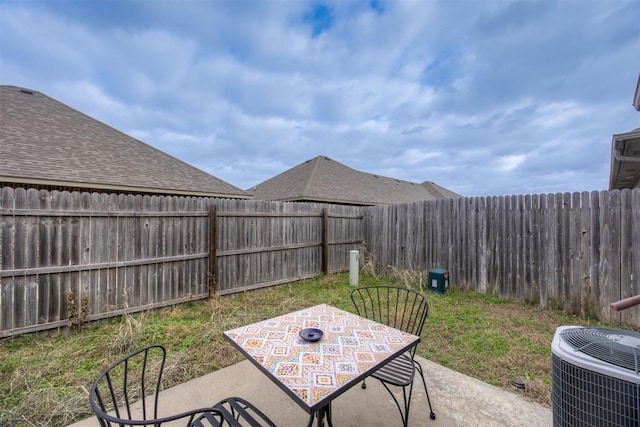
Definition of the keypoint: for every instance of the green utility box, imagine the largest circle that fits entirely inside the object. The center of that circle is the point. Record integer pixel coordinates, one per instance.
(438, 280)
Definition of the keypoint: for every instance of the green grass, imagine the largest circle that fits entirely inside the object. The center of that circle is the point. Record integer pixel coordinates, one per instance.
(45, 378)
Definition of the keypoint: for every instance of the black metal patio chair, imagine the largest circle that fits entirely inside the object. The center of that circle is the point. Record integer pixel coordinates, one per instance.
(406, 310)
(127, 394)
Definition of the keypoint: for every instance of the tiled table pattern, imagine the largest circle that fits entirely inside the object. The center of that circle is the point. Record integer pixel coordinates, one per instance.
(351, 346)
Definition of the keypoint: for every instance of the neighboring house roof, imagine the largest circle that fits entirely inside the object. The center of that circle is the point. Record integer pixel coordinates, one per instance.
(439, 192)
(322, 179)
(49, 144)
(625, 160)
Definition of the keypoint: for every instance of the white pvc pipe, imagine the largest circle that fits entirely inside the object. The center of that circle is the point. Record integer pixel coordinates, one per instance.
(353, 267)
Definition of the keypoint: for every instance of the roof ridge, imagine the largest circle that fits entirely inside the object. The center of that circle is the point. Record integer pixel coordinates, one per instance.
(309, 182)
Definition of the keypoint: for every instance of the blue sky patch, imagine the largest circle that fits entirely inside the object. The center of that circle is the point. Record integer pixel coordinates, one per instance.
(376, 5)
(320, 18)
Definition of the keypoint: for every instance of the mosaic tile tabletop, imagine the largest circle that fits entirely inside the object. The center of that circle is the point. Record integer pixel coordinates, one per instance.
(351, 346)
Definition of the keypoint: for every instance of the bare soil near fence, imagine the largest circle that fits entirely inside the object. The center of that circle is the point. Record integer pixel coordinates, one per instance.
(45, 378)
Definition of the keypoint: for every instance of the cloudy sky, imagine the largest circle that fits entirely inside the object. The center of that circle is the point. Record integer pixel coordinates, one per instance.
(483, 97)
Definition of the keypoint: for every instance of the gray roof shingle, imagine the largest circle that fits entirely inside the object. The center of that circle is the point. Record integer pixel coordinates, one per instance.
(43, 141)
(322, 179)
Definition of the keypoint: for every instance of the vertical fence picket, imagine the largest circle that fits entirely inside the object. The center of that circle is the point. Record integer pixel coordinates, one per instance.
(144, 250)
(525, 247)
(564, 276)
(7, 261)
(56, 248)
(501, 247)
(534, 253)
(429, 234)
(32, 246)
(584, 282)
(482, 261)
(510, 249)
(516, 250)
(20, 282)
(634, 259)
(595, 266)
(112, 250)
(457, 243)
(546, 272)
(474, 236)
(44, 281)
(573, 287)
(628, 316)
(609, 254)
(556, 278)
(492, 238)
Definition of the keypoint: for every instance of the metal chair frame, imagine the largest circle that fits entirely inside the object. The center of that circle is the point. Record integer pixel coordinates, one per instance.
(406, 310)
(115, 392)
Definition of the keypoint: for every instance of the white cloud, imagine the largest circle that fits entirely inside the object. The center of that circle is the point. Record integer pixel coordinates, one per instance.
(509, 163)
(557, 114)
(415, 156)
(491, 97)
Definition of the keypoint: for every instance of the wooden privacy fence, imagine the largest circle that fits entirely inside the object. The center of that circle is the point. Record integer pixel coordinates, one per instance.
(578, 252)
(267, 243)
(70, 257)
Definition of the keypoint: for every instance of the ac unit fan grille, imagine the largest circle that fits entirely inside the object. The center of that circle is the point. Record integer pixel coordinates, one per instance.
(617, 347)
(585, 398)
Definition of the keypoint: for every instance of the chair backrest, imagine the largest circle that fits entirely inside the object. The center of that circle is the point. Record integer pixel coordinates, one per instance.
(400, 308)
(133, 379)
(127, 394)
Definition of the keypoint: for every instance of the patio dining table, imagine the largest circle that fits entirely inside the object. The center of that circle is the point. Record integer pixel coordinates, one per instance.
(314, 372)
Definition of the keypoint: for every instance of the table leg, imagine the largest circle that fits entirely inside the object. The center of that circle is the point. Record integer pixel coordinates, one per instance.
(321, 414)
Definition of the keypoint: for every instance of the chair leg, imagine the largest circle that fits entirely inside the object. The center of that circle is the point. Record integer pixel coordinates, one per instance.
(404, 414)
(432, 415)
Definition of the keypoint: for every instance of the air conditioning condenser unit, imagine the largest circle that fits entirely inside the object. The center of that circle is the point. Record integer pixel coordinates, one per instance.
(595, 377)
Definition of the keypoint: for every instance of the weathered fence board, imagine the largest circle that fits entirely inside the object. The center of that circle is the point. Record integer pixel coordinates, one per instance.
(634, 288)
(577, 252)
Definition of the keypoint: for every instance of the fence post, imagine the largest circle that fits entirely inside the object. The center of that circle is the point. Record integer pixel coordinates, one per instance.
(213, 260)
(325, 241)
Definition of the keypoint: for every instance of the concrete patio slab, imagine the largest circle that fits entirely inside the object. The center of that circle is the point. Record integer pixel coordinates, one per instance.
(458, 400)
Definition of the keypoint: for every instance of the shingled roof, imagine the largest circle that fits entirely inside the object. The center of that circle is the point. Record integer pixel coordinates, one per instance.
(322, 179)
(47, 144)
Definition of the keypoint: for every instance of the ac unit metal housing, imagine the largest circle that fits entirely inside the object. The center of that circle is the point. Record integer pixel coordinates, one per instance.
(595, 377)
